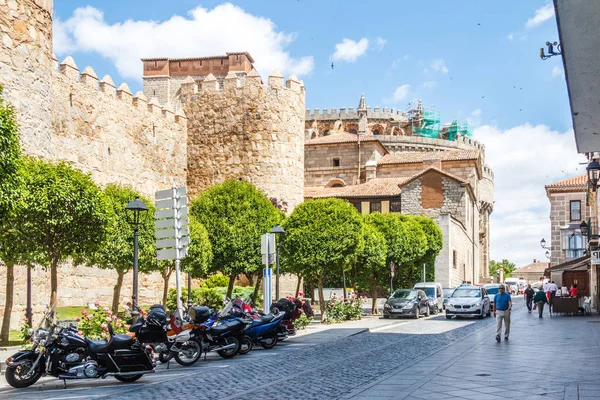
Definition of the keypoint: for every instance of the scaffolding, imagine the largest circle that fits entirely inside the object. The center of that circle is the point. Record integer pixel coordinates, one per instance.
(426, 122)
(456, 129)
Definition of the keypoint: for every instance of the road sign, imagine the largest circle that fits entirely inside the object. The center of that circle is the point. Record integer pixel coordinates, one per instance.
(595, 257)
(267, 243)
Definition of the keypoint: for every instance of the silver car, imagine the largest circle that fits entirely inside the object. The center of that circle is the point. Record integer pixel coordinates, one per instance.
(469, 301)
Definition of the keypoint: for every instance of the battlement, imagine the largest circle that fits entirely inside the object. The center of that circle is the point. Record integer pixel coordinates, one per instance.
(417, 143)
(87, 78)
(487, 172)
(350, 114)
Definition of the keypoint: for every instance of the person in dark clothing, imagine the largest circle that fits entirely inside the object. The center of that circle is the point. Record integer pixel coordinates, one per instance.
(529, 293)
(540, 300)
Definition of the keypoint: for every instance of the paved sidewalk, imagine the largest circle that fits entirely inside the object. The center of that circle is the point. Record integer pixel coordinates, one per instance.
(547, 358)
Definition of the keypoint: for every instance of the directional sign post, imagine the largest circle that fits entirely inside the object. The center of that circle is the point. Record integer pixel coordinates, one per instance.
(172, 232)
(267, 249)
(392, 268)
(595, 257)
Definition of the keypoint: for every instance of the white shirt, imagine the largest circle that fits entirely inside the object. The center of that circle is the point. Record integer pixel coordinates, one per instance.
(564, 290)
(546, 287)
(552, 287)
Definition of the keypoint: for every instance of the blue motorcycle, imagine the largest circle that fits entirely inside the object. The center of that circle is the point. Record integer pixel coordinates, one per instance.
(261, 331)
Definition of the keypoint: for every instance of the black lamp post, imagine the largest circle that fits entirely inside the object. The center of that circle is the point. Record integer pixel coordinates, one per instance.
(585, 228)
(278, 230)
(593, 173)
(135, 212)
(551, 52)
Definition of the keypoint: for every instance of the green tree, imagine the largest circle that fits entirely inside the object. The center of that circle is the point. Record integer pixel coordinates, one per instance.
(199, 257)
(10, 184)
(63, 217)
(321, 238)
(116, 252)
(435, 242)
(371, 269)
(505, 266)
(406, 243)
(235, 215)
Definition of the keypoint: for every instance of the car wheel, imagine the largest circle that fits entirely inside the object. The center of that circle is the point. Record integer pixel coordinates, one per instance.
(428, 312)
(417, 312)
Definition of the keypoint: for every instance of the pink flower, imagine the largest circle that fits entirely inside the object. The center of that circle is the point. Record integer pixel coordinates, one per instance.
(126, 307)
(96, 303)
(84, 312)
(89, 317)
(114, 317)
(107, 319)
(109, 312)
(80, 333)
(104, 326)
(103, 334)
(77, 319)
(106, 308)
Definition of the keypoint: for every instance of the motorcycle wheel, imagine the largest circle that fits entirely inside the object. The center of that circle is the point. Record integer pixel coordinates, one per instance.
(17, 376)
(165, 356)
(269, 343)
(128, 378)
(246, 345)
(189, 354)
(229, 353)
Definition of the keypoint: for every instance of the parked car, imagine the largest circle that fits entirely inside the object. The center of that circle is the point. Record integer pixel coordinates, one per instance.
(492, 290)
(406, 302)
(447, 293)
(435, 293)
(469, 301)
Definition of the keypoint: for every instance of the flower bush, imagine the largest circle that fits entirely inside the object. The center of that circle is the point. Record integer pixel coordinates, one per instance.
(337, 310)
(94, 322)
(302, 321)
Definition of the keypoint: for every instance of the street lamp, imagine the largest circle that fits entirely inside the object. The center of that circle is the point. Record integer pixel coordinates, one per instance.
(551, 52)
(543, 244)
(278, 230)
(547, 254)
(135, 212)
(585, 228)
(593, 173)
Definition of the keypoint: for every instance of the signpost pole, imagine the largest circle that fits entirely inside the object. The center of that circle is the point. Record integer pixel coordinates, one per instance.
(177, 269)
(424, 273)
(392, 267)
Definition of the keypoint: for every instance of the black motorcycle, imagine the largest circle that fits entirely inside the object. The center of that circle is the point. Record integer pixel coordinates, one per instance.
(62, 353)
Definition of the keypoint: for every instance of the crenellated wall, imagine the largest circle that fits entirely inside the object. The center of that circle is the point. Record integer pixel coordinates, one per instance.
(247, 130)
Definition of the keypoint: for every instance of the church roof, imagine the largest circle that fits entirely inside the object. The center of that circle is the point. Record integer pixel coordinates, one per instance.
(572, 184)
(411, 157)
(377, 187)
(534, 267)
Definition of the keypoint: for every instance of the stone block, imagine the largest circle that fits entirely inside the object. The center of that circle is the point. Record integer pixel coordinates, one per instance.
(107, 86)
(69, 69)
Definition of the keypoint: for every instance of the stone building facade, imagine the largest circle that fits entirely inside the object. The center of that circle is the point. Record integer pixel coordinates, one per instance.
(531, 272)
(445, 180)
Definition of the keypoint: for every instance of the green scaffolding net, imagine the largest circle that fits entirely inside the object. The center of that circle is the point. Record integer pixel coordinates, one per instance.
(426, 123)
(456, 129)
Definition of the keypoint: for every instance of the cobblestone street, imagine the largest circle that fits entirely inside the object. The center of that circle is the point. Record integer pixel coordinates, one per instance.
(423, 359)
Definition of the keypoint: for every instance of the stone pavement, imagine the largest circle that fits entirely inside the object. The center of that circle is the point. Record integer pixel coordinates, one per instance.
(548, 358)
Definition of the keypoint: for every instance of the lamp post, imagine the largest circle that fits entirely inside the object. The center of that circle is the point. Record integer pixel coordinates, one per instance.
(278, 230)
(551, 52)
(135, 211)
(593, 173)
(543, 244)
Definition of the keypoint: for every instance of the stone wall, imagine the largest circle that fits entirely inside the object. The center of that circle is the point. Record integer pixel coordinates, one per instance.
(247, 131)
(461, 242)
(560, 216)
(26, 65)
(113, 135)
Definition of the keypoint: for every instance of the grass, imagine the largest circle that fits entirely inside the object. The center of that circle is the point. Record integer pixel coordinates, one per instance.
(14, 338)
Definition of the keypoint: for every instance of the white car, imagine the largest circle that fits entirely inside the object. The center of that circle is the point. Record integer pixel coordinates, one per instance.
(469, 301)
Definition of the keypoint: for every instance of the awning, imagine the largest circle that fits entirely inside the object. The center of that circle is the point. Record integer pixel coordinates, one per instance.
(577, 264)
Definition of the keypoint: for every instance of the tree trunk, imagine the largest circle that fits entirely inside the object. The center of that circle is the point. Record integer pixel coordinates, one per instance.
(321, 299)
(230, 286)
(374, 309)
(117, 291)
(255, 300)
(10, 280)
(53, 286)
(166, 274)
(250, 279)
(311, 289)
(298, 285)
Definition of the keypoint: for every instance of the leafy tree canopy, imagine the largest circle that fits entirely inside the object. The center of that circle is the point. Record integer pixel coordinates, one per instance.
(10, 153)
(505, 266)
(199, 257)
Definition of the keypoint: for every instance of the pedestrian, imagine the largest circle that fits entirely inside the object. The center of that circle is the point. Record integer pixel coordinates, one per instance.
(564, 290)
(529, 293)
(552, 288)
(540, 299)
(502, 306)
(574, 290)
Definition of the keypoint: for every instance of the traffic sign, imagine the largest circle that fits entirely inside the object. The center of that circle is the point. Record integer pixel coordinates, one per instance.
(595, 257)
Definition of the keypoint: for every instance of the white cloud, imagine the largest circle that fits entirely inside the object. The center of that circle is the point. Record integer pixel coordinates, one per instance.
(438, 65)
(521, 210)
(380, 42)
(429, 84)
(557, 72)
(542, 14)
(349, 50)
(511, 37)
(401, 93)
(396, 63)
(198, 34)
(476, 113)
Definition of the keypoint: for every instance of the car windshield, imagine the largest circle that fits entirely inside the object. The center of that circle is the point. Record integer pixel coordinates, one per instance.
(466, 293)
(492, 290)
(404, 294)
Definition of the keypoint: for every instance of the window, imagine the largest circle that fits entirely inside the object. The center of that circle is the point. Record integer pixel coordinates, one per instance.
(575, 210)
(572, 242)
(395, 206)
(376, 132)
(336, 162)
(454, 259)
(352, 131)
(200, 62)
(337, 185)
(375, 206)
(221, 61)
(357, 205)
(237, 58)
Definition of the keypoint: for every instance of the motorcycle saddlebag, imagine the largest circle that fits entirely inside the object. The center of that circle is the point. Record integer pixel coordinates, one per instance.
(156, 317)
(199, 314)
(226, 327)
(132, 360)
(151, 334)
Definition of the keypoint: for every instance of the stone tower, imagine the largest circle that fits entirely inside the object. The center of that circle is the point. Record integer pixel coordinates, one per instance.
(362, 115)
(26, 64)
(247, 130)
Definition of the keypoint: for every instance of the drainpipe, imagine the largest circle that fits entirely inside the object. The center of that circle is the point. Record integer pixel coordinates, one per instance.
(358, 143)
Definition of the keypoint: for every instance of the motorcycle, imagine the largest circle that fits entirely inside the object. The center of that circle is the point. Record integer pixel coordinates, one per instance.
(64, 354)
(168, 340)
(262, 330)
(292, 309)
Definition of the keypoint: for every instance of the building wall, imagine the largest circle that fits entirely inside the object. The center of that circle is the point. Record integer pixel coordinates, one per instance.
(251, 131)
(559, 217)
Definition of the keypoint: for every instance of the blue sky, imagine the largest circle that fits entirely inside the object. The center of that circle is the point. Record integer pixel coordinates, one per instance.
(474, 60)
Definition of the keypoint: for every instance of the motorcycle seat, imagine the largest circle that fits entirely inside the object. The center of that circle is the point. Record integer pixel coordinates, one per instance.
(116, 342)
(120, 341)
(265, 319)
(228, 326)
(97, 346)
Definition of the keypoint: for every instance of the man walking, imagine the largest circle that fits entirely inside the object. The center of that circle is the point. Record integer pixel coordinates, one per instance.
(529, 293)
(540, 300)
(502, 306)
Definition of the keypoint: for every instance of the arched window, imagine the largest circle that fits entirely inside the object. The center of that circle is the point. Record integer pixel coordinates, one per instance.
(376, 132)
(326, 133)
(337, 185)
(352, 131)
